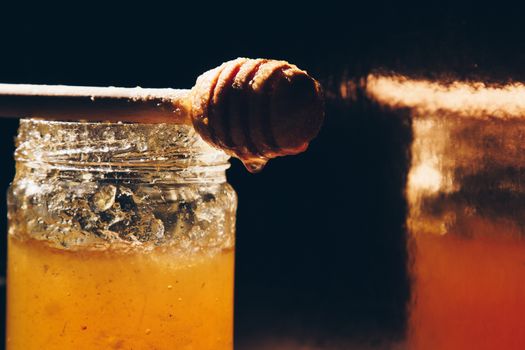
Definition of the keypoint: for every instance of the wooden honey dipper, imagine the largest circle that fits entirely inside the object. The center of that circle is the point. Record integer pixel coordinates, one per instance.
(253, 109)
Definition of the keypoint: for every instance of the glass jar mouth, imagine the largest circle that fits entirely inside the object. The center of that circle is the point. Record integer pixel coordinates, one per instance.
(170, 151)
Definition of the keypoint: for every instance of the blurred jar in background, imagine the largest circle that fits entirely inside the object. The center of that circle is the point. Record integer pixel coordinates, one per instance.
(466, 220)
(467, 216)
(120, 236)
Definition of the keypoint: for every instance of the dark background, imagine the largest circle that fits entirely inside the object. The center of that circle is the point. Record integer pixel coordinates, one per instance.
(321, 259)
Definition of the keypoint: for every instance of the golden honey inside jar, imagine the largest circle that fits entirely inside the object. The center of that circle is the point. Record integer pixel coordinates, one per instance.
(121, 236)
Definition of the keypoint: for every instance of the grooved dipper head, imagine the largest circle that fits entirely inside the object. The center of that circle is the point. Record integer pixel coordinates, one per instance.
(257, 109)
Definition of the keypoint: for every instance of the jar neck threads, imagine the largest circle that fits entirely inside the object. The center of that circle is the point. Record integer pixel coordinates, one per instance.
(151, 153)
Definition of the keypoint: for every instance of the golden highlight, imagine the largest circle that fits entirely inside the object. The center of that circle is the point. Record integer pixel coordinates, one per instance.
(469, 99)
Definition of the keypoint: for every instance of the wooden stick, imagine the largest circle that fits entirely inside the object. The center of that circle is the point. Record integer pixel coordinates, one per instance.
(95, 103)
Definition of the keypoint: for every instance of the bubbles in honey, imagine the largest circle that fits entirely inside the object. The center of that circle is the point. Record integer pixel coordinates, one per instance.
(147, 185)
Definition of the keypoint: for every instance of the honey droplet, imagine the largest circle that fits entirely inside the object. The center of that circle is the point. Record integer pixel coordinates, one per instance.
(254, 165)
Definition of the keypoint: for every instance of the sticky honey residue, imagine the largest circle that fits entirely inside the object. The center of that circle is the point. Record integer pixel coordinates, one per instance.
(253, 164)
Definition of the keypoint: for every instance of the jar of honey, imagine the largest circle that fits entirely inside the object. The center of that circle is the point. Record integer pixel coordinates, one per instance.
(121, 236)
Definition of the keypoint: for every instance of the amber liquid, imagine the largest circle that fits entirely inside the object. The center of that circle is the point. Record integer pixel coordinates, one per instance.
(86, 300)
(468, 293)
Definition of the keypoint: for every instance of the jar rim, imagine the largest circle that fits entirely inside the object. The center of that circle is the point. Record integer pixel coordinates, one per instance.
(115, 147)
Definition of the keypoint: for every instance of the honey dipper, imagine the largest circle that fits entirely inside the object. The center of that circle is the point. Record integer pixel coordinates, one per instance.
(253, 109)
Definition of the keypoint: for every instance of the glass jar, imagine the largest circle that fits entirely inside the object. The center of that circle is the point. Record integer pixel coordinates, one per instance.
(121, 236)
(466, 192)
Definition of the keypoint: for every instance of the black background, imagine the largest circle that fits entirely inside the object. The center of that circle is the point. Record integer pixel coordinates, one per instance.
(321, 256)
